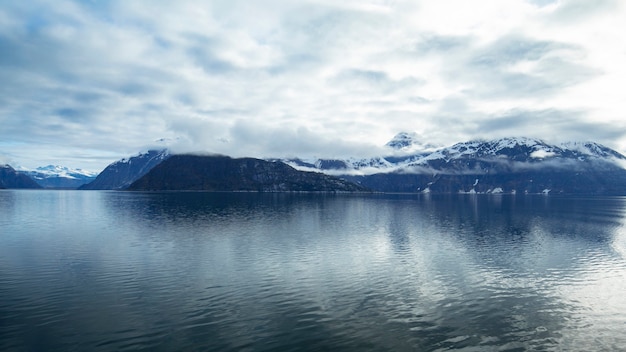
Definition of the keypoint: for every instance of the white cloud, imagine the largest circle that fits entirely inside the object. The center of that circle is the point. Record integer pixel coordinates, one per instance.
(278, 77)
(542, 154)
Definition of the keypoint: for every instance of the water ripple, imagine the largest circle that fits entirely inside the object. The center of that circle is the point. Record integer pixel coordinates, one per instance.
(235, 272)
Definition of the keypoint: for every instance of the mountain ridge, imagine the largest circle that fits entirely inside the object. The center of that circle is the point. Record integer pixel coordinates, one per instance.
(223, 173)
(504, 165)
(515, 165)
(505, 155)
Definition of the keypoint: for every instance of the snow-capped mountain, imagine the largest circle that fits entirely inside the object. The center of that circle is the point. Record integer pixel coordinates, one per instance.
(401, 150)
(62, 171)
(55, 176)
(506, 165)
(478, 156)
(528, 149)
(515, 155)
(122, 173)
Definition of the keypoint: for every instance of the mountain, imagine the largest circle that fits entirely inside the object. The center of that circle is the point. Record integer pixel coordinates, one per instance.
(9, 178)
(54, 176)
(507, 165)
(508, 155)
(499, 155)
(122, 173)
(222, 173)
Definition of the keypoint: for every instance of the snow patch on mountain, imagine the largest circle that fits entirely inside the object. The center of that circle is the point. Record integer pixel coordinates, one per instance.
(160, 155)
(592, 149)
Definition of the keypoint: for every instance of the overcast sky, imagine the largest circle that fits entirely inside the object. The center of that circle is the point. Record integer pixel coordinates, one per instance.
(85, 83)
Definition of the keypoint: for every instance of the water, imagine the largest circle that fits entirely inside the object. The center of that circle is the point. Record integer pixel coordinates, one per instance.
(102, 271)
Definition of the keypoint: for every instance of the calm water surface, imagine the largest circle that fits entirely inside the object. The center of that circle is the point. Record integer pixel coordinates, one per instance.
(102, 271)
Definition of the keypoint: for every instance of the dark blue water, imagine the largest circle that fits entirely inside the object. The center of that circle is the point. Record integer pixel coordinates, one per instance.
(103, 271)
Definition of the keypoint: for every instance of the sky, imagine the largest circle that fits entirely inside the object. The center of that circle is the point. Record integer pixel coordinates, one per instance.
(85, 83)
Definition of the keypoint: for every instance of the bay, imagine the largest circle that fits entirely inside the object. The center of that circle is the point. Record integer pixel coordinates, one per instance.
(101, 271)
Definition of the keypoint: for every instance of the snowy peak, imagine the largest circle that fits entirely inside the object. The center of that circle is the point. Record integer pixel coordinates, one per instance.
(149, 155)
(62, 171)
(517, 148)
(408, 142)
(403, 140)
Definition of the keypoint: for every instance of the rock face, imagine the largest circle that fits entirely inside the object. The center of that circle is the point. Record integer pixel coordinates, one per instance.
(222, 173)
(9, 178)
(122, 173)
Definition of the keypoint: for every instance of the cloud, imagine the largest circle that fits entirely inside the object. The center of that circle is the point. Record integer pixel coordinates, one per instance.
(5, 159)
(434, 43)
(553, 125)
(542, 154)
(579, 10)
(519, 67)
(300, 141)
(314, 77)
(542, 3)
